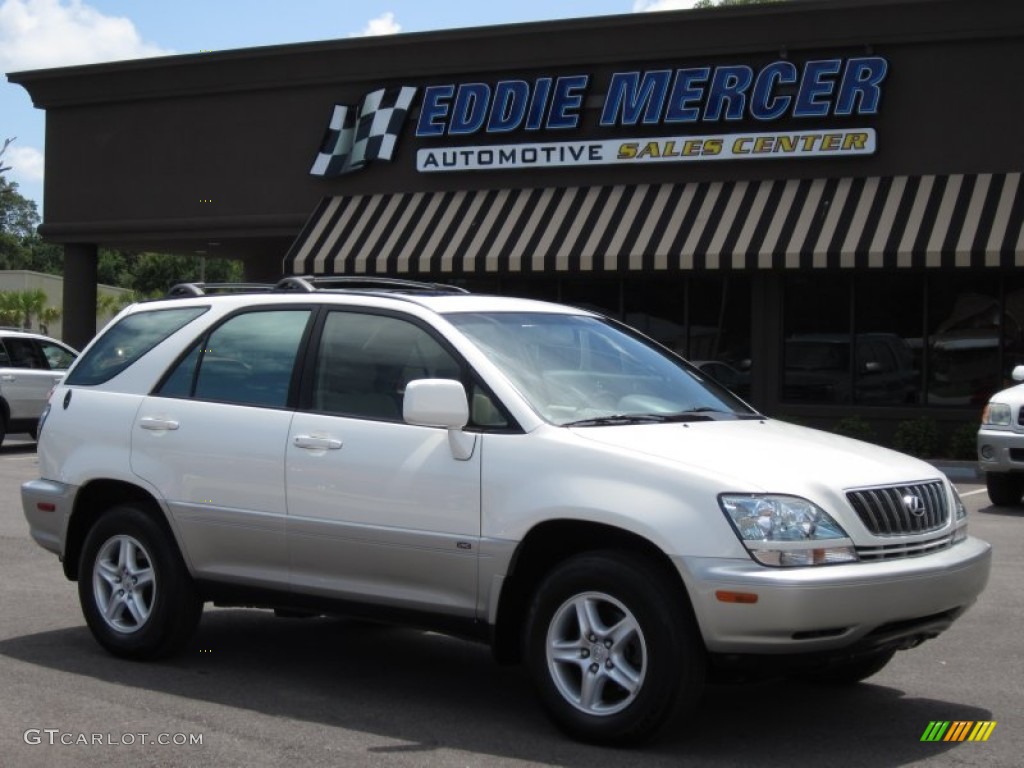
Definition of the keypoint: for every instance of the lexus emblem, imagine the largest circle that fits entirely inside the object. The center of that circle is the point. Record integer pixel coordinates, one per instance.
(913, 504)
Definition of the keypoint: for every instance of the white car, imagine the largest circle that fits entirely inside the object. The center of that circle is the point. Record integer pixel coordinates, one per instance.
(30, 366)
(1001, 444)
(535, 476)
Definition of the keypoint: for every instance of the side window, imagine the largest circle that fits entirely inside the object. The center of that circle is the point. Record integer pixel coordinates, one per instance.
(248, 360)
(57, 357)
(128, 340)
(25, 353)
(364, 362)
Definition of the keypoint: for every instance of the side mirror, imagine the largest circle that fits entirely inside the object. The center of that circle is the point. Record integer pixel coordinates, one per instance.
(1018, 373)
(441, 403)
(436, 403)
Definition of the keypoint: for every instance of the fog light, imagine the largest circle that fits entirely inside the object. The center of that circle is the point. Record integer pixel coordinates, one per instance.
(988, 453)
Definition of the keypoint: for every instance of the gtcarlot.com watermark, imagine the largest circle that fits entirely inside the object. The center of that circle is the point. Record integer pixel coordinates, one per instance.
(57, 737)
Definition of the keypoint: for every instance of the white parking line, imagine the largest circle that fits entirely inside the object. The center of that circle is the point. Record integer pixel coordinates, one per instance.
(973, 493)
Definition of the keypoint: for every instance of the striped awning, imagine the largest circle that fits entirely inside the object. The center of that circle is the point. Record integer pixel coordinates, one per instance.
(876, 222)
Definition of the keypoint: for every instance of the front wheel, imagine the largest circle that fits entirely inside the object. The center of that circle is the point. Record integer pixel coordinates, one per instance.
(1004, 489)
(613, 648)
(136, 594)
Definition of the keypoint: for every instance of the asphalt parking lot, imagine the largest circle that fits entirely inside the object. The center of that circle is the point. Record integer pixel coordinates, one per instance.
(254, 690)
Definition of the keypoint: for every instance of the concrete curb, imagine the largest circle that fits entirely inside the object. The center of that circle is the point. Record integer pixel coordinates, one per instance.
(965, 471)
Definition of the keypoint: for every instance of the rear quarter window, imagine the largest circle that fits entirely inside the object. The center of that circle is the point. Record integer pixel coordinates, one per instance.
(128, 340)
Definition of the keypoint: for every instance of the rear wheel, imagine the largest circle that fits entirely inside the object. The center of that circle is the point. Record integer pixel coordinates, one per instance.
(136, 594)
(1004, 489)
(847, 672)
(613, 650)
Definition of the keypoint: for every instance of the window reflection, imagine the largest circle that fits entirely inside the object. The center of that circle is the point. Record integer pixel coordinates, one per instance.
(964, 341)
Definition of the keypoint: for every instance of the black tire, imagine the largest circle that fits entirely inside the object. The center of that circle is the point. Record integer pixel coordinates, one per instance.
(847, 672)
(136, 593)
(655, 648)
(1004, 489)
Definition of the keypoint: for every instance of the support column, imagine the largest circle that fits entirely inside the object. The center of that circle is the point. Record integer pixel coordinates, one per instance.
(81, 261)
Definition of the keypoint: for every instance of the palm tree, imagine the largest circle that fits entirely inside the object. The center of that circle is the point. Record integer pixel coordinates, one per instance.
(31, 304)
(47, 316)
(10, 308)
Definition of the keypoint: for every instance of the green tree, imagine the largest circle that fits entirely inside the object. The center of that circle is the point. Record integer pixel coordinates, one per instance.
(7, 143)
(18, 215)
(47, 317)
(154, 273)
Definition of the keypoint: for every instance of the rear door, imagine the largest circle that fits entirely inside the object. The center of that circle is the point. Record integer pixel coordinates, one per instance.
(212, 440)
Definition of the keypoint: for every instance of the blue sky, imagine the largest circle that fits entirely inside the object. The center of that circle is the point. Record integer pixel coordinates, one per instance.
(38, 34)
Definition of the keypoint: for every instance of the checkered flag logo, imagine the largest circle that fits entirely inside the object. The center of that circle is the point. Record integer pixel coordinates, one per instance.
(354, 137)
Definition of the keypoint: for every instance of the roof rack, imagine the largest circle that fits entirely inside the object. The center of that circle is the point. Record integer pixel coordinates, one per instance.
(310, 283)
(183, 290)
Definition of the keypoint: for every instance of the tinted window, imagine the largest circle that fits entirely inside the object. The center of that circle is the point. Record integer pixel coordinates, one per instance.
(364, 362)
(128, 340)
(25, 353)
(248, 360)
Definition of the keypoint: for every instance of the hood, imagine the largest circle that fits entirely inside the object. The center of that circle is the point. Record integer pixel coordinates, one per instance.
(766, 455)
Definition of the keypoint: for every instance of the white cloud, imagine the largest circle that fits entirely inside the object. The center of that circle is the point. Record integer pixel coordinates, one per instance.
(643, 6)
(38, 34)
(384, 24)
(25, 162)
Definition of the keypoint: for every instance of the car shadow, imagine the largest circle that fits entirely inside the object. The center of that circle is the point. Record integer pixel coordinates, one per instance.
(998, 511)
(432, 692)
(14, 446)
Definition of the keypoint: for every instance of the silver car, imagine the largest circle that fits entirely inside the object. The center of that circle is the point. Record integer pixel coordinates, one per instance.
(538, 477)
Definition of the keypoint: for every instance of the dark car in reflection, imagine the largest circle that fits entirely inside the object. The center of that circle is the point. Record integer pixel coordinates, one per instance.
(819, 368)
(733, 379)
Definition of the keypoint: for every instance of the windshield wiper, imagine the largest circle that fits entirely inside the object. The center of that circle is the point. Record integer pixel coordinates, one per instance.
(637, 418)
(617, 418)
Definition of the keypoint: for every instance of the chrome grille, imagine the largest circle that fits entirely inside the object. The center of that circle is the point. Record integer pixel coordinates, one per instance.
(900, 551)
(901, 509)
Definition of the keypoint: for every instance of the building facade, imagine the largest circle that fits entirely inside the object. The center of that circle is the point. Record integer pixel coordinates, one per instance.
(823, 195)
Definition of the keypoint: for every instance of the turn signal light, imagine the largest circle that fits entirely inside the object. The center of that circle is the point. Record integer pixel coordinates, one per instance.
(726, 596)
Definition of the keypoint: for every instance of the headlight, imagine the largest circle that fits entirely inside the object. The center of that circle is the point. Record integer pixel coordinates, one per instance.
(996, 415)
(787, 530)
(960, 519)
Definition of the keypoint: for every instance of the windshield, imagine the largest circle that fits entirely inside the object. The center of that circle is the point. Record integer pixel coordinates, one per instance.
(580, 370)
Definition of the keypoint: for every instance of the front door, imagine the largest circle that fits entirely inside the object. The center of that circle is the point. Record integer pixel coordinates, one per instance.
(378, 509)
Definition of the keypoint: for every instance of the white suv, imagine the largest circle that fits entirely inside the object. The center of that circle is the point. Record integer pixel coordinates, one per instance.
(535, 476)
(30, 366)
(1001, 443)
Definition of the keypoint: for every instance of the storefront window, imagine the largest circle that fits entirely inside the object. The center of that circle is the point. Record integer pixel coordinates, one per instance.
(964, 339)
(1013, 329)
(657, 308)
(705, 318)
(888, 324)
(816, 337)
(596, 294)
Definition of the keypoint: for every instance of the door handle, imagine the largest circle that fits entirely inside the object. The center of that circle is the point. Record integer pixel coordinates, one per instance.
(7, 377)
(157, 425)
(317, 442)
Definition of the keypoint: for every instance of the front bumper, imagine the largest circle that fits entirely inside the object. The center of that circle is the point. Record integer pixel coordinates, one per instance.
(1000, 450)
(47, 505)
(824, 608)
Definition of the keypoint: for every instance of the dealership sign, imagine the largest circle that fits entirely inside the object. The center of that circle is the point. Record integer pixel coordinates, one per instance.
(646, 116)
